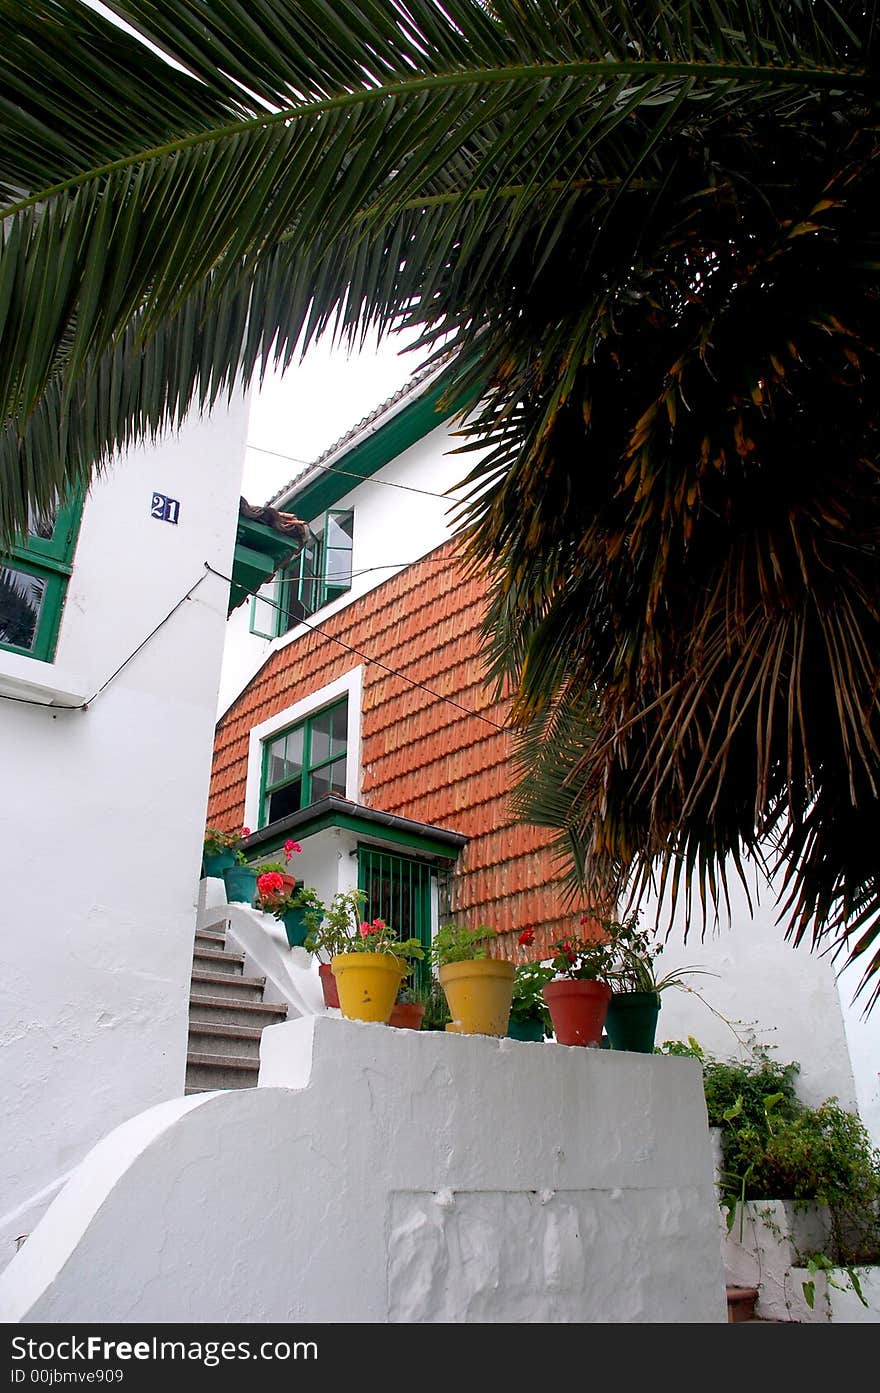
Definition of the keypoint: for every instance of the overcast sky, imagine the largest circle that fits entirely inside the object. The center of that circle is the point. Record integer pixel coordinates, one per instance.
(308, 408)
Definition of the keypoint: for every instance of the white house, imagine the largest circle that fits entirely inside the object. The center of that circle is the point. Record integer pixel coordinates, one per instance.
(112, 622)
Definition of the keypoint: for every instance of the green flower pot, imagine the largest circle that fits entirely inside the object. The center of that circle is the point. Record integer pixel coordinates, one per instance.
(631, 1022)
(294, 921)
(525, 1030)
(241, 884)
(216, 864)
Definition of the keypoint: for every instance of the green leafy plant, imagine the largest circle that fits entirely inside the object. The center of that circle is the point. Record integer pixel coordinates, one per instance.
(453, 943)
(527, 1003)
(217, 841)
(339, 924)
(776, 1147)
(635, 959)
(378, 937)
(582, 959)
(301, 897)
(437, 1013)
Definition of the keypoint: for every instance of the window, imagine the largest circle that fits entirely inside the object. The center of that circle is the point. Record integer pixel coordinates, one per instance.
(319, 575)
(33, 581)
(304, 763)
(398, 890)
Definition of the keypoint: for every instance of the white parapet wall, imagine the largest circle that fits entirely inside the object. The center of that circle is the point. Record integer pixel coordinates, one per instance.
(392, 1176)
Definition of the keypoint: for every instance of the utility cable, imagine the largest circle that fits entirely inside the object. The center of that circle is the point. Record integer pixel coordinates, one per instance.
(369, 479)
(316, 629)
(84, 705)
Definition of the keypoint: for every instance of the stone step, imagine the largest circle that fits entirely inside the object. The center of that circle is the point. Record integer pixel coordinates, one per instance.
(206, 1071)
(242, 1041)
(226, 985)
(221, 1010)
(210, 960)
(210, 938)
(741, 1304)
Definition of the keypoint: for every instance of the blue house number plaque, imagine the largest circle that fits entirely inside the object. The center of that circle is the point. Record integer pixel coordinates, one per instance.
(165, 509)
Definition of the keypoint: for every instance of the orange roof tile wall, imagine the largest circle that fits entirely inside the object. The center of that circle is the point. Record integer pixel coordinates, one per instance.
(422, 757)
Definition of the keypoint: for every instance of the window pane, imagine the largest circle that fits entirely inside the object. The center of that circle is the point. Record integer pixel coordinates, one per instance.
(294, 750)
(264, 610)
(339, 542)
(275, 764)
(330, 779)
(21, 599)
(339, 727)
(320, 747)
(287, 799)
(311, 582)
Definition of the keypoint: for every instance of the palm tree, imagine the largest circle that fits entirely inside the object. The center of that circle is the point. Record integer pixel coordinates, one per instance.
(647, 233)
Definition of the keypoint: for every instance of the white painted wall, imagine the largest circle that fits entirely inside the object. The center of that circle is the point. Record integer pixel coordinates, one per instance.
(395, 1176)
(103, 811)
(780, 996)
(392, 528)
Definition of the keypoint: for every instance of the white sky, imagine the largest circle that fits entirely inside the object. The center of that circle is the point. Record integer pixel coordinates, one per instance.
(308, 408)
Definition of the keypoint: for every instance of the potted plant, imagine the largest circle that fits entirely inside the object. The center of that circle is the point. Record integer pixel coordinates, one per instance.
(300, 910)
(631, 1020)
(410, 1005)
(219, 849)
(241, 878)
(368, 974)
(279, 869)
(334, 934)
(529, 1014)
(579, 992)
(478, 988)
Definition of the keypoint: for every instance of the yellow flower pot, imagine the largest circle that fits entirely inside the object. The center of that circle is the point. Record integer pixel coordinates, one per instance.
(367, 984)
(478, 992)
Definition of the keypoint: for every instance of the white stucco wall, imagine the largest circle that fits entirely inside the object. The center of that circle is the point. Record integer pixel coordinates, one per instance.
(778, 995)
(395, 1176)
(103, 811)
(392, 528)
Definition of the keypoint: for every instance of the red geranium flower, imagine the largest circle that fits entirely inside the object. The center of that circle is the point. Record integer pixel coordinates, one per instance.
(527, 937)
(270, 883)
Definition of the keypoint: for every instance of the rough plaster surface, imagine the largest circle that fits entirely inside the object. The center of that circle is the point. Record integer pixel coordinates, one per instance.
(385, 1176)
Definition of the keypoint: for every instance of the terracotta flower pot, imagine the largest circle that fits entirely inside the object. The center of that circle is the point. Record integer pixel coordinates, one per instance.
(577, 1009)
(328, 985)
(407, 1015)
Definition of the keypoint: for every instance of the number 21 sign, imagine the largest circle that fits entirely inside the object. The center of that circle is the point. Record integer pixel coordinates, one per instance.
(165, 509)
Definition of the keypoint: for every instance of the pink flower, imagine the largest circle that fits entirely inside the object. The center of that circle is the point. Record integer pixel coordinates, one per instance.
(527, 937)
(378, 925)
(366, 930)
(289, 848)
(245, 831)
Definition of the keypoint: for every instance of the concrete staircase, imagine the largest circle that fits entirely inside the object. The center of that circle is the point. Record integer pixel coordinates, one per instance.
(227, 1015)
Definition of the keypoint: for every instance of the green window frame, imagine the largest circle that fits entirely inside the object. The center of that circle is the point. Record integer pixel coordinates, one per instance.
(33, 582)
(320, 574)
(304, 762)
(398, 890)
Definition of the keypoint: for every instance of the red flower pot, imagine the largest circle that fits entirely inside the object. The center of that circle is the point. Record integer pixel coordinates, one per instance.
(577, 1010)
(407, 1015)
(328, 984)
